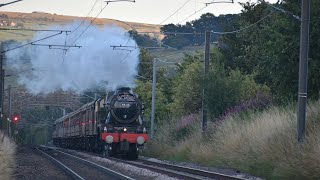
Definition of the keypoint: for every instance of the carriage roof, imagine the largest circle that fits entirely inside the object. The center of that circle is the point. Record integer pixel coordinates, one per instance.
(85, 106)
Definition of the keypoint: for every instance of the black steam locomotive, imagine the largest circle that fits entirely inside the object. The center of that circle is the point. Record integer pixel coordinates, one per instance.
(112, 125)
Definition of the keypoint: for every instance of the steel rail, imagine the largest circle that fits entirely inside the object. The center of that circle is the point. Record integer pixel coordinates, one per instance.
(190, 170)
(69, 171)
(162, 170)
(95, 165)
(177, 171)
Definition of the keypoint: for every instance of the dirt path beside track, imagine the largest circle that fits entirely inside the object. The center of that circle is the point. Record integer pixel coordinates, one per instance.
(30, 164)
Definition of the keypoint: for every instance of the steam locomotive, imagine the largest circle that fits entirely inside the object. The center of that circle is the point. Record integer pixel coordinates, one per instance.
(111, 125)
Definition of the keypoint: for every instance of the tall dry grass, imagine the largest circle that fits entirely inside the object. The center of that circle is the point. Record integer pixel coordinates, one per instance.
(261, 143)
(7, 161)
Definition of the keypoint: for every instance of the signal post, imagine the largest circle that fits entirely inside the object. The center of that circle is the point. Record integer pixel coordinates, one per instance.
(10, 111)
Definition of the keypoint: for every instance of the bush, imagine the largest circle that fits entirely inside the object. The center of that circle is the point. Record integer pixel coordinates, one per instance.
(227, 90)
(172, 134)
(188, 90)
(224, 89)
(7, 151)
(144, 90)
(260, 143)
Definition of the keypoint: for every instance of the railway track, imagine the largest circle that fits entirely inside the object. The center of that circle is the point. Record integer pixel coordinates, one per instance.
(79, 168)
(180, 172)
(176, 171)
(188, 170)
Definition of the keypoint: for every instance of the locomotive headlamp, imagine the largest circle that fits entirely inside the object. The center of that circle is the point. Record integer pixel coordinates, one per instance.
(109, 139)
(125, 129)
(144, 130)
(140, 140)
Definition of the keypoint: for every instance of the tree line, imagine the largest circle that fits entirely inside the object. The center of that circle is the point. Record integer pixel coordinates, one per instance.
(262, 59)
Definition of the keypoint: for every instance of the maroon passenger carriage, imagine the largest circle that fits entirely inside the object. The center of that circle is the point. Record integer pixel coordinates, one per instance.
(111, 125)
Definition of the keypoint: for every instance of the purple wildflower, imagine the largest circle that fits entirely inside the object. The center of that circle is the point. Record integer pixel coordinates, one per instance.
(186, 121)
(260, 101)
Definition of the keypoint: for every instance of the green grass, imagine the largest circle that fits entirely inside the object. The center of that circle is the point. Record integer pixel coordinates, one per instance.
(173, 55)
(261, 143)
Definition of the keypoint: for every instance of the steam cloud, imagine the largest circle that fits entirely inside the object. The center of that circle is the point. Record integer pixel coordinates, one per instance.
(95, 64)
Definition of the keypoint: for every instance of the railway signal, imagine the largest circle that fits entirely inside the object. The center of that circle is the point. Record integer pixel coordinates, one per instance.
(15, 119)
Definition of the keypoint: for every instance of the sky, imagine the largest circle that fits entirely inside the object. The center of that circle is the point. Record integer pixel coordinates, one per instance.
(144, 11)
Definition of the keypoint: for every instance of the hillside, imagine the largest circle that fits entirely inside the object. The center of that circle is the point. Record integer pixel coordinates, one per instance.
(41, 20)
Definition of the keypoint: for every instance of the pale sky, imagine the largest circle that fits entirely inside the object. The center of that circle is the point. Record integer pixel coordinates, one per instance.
(144, 11)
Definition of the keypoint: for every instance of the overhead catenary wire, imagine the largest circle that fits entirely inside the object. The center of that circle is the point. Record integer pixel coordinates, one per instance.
(134, 29)
(47, 37)
(161, 43)
(56, 45)
(167, 62)
(22, 71)
(226, 32)
(216, 2)
(122, 47)
(20, 34)
(171, 33)
(91, 22)
(85, 17)
(281, 10)
(214, 32)
(245, 28)
(206, 5)
(120, 1)
(64, 49)
(34, 30)
(175, 12)
(142, 77)
(122, 60)
(193, 14)
(8, 30)
(5, 4)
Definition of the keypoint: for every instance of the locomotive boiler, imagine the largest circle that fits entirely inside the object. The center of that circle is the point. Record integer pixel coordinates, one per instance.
(111, 125)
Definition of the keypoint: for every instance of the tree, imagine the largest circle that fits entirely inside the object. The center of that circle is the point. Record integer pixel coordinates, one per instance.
(207, 22)
(36, 123)
(144, 86)
(143, 39)
(144, 90)
(187, 89)
(225, 88)
(177, 40)
(270, 48)
(145, 65)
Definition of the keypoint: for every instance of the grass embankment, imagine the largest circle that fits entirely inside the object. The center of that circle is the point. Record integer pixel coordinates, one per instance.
(7, 161)
(260, 143)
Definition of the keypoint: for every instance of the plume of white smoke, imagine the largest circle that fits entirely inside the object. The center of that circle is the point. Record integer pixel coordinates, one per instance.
(78, 69)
